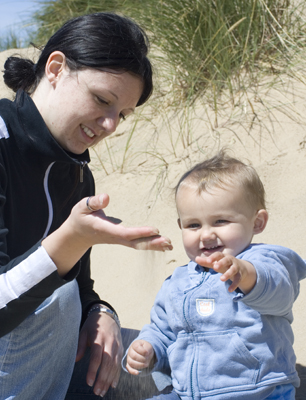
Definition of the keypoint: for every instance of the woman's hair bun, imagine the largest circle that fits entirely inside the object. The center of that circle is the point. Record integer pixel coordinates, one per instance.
(19, 73)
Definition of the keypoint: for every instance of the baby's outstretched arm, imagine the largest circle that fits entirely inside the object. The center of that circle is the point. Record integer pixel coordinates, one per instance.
(141, 355)
(240, 272)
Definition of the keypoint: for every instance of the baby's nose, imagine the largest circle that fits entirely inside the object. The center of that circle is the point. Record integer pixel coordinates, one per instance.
(207, 233)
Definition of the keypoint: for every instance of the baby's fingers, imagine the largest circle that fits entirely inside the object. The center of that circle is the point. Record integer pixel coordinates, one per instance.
(225, 266)
(235, 282)
(135, 363)
(139, 356)
(209, 262)
(230, 269)
(131, 369)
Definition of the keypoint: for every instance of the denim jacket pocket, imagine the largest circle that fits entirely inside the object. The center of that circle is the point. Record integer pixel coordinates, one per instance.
(223, 361)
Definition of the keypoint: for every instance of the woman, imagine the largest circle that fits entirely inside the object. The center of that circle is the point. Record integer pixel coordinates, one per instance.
(92, 73)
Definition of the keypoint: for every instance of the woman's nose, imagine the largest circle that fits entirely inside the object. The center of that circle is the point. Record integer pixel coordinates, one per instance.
(108, 124)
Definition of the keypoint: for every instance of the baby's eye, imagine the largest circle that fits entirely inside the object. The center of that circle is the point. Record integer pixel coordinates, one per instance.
(193, 226)
(221, 221)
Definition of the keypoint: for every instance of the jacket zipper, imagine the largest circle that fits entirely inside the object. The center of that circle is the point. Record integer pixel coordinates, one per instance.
(191, 371)
(82, 165)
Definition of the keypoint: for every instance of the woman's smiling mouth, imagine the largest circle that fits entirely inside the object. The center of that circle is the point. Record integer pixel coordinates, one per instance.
(88, 132)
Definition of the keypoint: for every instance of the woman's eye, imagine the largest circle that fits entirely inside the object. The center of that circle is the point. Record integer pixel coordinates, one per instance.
(102, 101)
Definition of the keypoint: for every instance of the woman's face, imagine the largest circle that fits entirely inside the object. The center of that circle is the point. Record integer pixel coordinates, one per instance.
(81, 108)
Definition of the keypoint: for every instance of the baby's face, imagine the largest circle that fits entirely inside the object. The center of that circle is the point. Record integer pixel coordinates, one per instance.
(218, 220)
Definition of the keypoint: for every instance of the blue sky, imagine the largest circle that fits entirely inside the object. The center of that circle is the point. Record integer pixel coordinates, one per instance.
(14, 14)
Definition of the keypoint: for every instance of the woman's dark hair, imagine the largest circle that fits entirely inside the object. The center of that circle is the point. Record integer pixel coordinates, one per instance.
(104, 41)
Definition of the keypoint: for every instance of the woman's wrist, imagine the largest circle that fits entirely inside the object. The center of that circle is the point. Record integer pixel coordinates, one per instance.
(101, 308)
(64, 248)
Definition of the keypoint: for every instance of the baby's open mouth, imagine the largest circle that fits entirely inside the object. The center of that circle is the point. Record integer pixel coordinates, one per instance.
(211, 249)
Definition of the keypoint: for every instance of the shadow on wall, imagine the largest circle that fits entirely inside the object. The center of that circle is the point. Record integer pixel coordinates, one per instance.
(301, 391)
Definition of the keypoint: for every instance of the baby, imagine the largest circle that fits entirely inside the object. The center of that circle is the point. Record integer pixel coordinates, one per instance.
(222, 323)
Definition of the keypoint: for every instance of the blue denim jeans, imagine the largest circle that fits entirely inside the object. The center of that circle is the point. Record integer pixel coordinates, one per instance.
(37, 357)
(282, 392)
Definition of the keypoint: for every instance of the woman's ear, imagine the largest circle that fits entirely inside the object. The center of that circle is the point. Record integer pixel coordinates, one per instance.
(260, 221)
(55, 65)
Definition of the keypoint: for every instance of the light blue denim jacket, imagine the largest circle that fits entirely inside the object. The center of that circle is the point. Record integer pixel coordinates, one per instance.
(222, 345)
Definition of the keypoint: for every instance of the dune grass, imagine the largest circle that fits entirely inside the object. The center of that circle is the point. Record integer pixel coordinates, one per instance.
(201, 45)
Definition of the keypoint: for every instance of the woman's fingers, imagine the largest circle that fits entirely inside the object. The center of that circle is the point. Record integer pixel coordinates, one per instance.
(108, 230)
(95, 203)
(156, 243)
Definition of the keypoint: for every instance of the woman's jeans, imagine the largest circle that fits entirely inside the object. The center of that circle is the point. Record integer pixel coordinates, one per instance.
(37, 357)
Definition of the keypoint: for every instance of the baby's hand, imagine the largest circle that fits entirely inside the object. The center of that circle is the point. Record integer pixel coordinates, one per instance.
(240, 272)
(140, 356)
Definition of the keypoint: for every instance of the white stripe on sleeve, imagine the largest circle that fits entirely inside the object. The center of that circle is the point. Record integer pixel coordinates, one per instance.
(25, 275)
(3, 130)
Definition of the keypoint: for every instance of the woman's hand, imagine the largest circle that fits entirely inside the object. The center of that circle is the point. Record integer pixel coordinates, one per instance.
(102, 334)
(84, 228)
(96, 227)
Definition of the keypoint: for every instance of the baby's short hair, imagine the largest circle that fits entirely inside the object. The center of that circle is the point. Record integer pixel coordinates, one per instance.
(221, 171)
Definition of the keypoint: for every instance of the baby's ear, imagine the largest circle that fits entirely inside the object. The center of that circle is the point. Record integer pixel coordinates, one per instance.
(179, 223)
(260, 221)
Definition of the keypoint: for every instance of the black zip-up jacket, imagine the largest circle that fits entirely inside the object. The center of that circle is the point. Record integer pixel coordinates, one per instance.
(39, 184)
